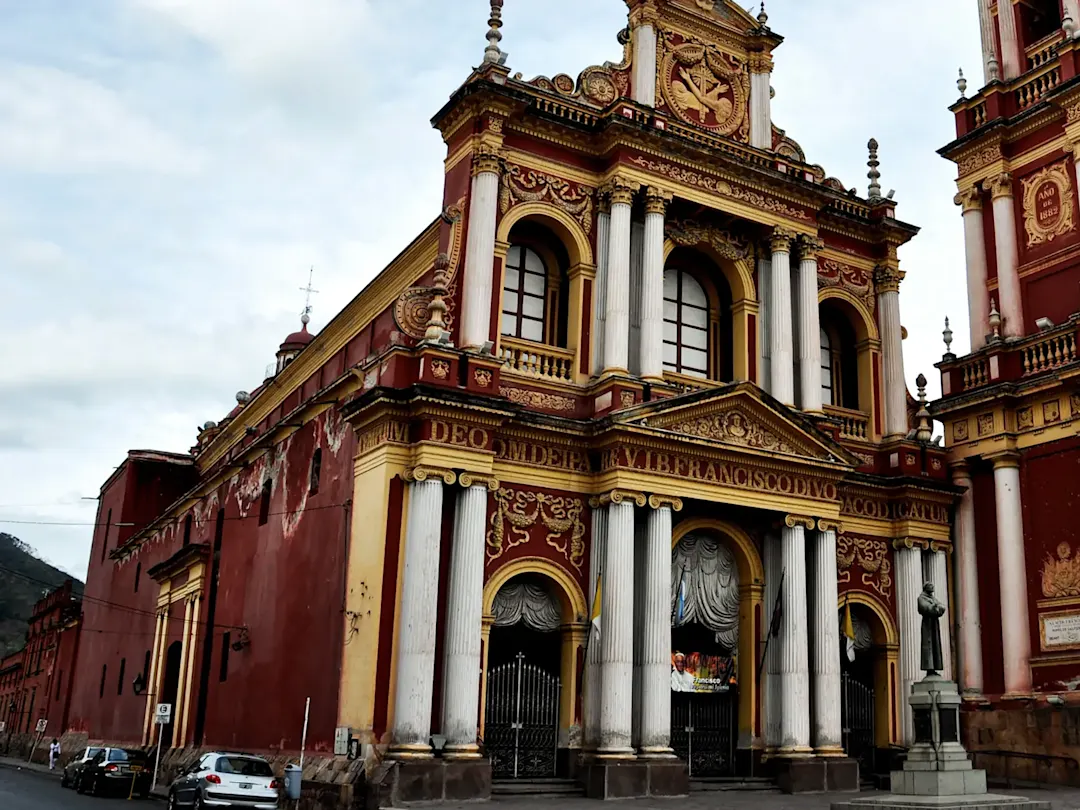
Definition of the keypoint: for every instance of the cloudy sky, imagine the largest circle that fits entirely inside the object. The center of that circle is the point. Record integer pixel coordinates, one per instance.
(170, 169)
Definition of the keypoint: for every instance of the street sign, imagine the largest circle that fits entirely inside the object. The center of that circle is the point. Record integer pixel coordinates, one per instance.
(163, 714)
(42, 724)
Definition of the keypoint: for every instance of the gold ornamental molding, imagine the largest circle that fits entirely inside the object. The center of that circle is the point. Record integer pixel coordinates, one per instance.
(871, 557)
(618, 496)
(660, 501)
(521, 184)
(471, 479)
(792, 521)
(1048, 204)
(979, 159)
(780, 240)
(425, 473)
(518, 511)
(704, 86)
(691, 233)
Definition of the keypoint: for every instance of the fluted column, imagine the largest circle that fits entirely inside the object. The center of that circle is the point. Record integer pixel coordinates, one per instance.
(887, 283)
(617, 294)
(761, 66)
(975, 249)
(989, 43)
(968, 621)
(465, 599)
(656, 635)
(780, 328)
(825, 635)
(771, 704)
(652, 289)
(643, 19)
(1010, 41)
(1010, 304)
(909, 582)
(603, 241)
(480, 249)
(593, 670)
(937, 569)
(617, 627)
(1012, 576)
(809, 321)
(794, 655)
(417, 610)
(764, 274)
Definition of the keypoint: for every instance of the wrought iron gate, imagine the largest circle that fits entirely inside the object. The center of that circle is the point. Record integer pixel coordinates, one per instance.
(857, 718)
(521, 723)
(703, 731)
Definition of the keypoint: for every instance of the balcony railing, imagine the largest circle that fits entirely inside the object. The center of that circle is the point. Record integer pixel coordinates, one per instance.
(537, 360)
(687, 384)
(975, 373)
(1043, 51)
(1049, 353)
(854, 425)
(1033, 89)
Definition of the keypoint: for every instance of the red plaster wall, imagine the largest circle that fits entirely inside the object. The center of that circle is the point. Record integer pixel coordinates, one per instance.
(1053, 293)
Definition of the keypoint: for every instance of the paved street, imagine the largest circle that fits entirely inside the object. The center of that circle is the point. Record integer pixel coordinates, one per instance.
(31, 790)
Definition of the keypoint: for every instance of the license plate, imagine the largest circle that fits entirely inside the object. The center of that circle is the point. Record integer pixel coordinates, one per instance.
(136, 768)
(246, 786)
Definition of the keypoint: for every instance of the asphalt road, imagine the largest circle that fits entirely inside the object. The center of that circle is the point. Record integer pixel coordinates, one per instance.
(29, 790)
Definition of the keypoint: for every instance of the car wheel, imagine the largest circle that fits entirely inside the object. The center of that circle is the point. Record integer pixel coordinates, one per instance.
(63, 780)
(94, 787)
(80, 784)
(198, 803)
(172, 800)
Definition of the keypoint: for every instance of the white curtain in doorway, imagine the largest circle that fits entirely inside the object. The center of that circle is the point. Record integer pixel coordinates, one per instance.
(864, 636)
(711, 575)
(534, 605)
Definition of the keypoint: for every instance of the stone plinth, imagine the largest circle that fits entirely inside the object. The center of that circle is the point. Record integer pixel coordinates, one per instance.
(635, 779)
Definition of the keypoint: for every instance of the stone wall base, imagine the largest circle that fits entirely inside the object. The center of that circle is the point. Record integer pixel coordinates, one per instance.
(634, 779)
(1024, 744)
(815, 774)
(401, 783)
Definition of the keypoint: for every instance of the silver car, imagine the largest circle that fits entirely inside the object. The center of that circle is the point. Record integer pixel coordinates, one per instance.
(223, 779)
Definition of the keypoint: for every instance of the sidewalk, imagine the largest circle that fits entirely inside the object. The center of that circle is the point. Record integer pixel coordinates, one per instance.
(160, 792)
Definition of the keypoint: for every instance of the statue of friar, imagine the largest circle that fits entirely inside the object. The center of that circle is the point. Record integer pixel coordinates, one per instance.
(931, 611)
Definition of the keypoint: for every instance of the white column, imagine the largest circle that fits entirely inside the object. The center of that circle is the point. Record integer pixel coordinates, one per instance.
(617, 295)
(764, 274)
(418, 610)
(909, 582)
(652, 289)
(937, 570)
(887, 282)
(603, 240)
(968, 622)
(1072, 9)
(640, 539)
(637, 245)
(989, 46)
(1012, 576)
(480, 250)
(617, 629)
(643, 80)
(591, 707)
(1010, 42)
(975, 249)
(761, 66)
(809, 321)
(780, 330)
(794, 655)
(656, 626)
(465, 596)
(825, 641)
(1010, 304)
(771, 704)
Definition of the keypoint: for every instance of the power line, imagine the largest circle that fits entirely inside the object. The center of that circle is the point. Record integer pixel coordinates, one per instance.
(240, 517)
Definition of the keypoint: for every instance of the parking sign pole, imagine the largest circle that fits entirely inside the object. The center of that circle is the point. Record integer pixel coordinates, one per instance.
(157, 755)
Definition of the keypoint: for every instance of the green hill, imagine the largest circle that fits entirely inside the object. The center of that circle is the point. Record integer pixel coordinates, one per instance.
(24, 579)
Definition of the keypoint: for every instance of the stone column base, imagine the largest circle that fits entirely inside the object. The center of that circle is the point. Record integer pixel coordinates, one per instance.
(634, 779)
(433, 780)
(816, 774)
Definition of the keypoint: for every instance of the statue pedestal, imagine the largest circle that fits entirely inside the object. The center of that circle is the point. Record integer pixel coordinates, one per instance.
(938, 772)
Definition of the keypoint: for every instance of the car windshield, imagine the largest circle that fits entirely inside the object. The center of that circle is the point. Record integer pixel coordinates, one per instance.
(92, 752)
(243, 766)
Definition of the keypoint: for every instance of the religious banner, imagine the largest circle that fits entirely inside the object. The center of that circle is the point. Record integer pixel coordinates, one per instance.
(701, 673)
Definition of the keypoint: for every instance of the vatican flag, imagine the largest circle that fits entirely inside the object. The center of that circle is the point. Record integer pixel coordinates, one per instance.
(849, 631)
(595, 616)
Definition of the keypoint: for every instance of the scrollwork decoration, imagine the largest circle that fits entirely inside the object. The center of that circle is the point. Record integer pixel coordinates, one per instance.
(518, 511)
(870, 556)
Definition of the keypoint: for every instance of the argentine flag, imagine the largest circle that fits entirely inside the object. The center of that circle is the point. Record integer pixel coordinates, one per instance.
(680, 601)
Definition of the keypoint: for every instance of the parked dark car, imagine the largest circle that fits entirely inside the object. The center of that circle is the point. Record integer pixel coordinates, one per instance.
(114, 770)
(67, 779)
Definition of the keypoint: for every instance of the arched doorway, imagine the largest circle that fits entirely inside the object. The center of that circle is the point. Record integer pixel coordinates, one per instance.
(170, 688)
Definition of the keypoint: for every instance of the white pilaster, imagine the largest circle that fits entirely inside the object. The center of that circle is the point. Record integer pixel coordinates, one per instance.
(1072, 10)
(909, 582)
(643, 79)
(825, 642)
(968, 621)
(764, 274)
(637, 256)
(603, 241)
(780, 329)
(617, 629)
(887, 281)
(937, 571)
(617, 295)
(651, 353)
(989, 46)
(975, 249)
(593, 671)
(416, 627)
(771, 708)
(480, 250)
(794, 655)
(809, 321)
(656, 635)
(1012, 576)
(1010, 41)
(1010, 304)
(465, 595)
(761, 100)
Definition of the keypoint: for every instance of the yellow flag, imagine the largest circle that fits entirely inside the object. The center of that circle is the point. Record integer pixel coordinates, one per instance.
(849, 630)
(595, 616)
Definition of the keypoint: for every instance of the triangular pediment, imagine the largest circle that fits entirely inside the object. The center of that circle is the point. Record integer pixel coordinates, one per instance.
(720, 12)
(742, 417)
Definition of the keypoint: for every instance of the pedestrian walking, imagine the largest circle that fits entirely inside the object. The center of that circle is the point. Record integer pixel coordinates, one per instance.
(54, 753)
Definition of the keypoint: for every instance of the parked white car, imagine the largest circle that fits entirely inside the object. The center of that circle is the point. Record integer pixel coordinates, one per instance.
(226, 780)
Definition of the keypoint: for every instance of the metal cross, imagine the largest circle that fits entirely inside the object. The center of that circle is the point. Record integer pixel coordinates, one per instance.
(309, 290)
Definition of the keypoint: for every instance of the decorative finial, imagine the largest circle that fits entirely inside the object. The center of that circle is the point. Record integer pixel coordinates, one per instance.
(924, 432)
(961, 84)
(947, 336)
(763, 17)
(874, 174)
(305, 316)
(436, 324)
(493, 54)
(994, 322)
(993, 69)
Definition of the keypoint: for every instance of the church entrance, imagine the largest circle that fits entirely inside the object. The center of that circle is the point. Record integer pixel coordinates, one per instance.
(860, 691)
(521, 725)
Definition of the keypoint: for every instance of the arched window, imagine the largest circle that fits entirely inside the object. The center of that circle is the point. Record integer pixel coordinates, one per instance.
(827, 387)
(686, 325)
(524, 294)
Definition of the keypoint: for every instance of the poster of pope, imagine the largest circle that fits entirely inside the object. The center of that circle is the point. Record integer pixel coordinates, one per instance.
(701, 673)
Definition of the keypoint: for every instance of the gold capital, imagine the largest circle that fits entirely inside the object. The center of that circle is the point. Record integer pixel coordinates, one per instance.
(657, 200)
(421, 473)
(760, 62)
(660, 501)
(644, 13)
(470, 479)
(887, 278)
(970, 199)
(791, 521)
(781, 240)
(620, 190)
(825, 525)
(810, 247)
(910, 542)
(618, 496)
(1001, 186)
(486, 158)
